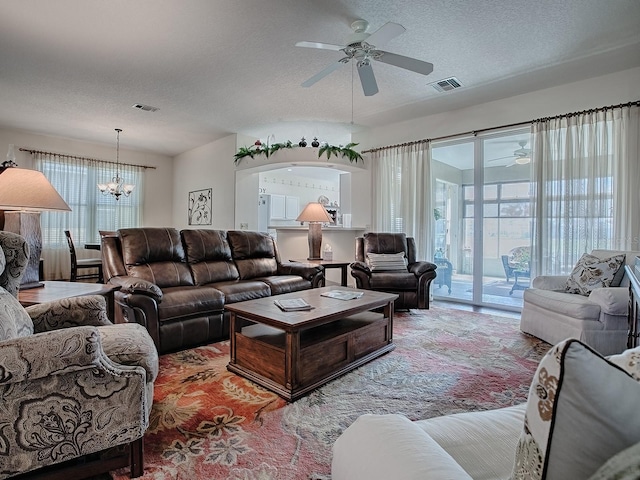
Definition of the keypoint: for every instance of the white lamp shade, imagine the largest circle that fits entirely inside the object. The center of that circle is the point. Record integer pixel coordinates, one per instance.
(24, 189)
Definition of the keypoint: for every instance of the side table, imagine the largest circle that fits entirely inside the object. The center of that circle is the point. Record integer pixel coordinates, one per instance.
(55, 290)
(330, 264)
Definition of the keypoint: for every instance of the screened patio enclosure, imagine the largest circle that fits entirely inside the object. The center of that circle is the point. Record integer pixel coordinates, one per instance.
(482, 212)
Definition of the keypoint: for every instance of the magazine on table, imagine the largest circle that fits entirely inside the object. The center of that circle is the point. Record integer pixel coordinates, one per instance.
(293, 305)
(342, 294)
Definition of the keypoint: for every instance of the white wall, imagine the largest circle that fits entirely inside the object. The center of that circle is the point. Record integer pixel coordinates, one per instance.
(157, 204)
(619, 87)
(209, 166)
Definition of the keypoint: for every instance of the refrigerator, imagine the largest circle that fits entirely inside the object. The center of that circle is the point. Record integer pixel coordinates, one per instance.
(264, 212)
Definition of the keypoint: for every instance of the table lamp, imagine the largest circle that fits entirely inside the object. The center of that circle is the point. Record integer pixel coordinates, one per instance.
(23, 195)
(316, 215)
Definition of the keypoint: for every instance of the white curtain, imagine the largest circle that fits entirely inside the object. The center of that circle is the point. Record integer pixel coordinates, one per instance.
(401, 181)
(586, 177)
(75, 180)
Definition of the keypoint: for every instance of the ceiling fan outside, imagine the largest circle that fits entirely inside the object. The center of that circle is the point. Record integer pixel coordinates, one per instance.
(361, 47)
(521, 156)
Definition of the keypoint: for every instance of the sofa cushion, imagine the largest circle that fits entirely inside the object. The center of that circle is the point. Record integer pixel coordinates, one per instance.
(185, 301)
(209, 256)
(581, 410)
(155, 255)
(394, 281)
(254, 253)
(592, 272)
(14, 320)
(390, 447)
(285, 283)
(239, 291)
(574, 306)
(478, 441)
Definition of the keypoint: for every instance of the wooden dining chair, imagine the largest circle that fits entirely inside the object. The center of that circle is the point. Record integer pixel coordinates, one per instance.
(85, 263)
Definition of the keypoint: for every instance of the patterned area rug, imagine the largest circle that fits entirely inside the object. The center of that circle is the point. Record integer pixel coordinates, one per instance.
(208, 423)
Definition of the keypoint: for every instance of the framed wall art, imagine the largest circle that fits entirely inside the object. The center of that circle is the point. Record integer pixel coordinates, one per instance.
(200, 207)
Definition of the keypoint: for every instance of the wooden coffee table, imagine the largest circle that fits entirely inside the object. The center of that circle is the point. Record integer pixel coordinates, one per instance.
(292, 353)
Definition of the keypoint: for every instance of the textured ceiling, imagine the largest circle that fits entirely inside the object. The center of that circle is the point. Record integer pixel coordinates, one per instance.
(74, 68)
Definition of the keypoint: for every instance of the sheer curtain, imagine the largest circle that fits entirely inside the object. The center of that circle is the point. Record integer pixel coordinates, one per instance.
(75, 180)
(585, 173)
(401, 182)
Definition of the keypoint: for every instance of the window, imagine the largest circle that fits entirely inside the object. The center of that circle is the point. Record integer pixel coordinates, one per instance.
(76, 180)
(507, 210)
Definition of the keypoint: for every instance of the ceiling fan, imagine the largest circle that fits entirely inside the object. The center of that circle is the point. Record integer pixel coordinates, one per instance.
(361, 47)
(521, 156)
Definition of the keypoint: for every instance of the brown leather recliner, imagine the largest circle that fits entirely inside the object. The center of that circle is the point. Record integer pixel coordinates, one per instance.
(176, 284)
(411, 283)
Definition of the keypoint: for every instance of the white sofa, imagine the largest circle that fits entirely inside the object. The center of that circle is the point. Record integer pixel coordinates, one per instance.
(474, 445)
(556, 435)
(599, 320)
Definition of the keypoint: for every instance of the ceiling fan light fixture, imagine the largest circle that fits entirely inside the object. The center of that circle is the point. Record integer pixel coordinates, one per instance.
(523, 160)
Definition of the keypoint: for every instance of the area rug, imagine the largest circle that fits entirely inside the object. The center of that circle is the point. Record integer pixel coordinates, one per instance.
(208, 423)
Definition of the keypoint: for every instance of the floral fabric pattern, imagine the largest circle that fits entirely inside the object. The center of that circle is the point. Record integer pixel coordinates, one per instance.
(592, 272)
(533, 447)
(63, 393)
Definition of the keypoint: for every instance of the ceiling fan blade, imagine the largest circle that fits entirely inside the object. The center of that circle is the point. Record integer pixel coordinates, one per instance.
(324, 46)
(367, 79)
(500, 158)
(385, 33)
(408, 63)
(323, 73)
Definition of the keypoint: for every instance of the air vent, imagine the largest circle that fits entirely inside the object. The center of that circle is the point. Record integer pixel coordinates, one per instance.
(446, 85)
(146, 108)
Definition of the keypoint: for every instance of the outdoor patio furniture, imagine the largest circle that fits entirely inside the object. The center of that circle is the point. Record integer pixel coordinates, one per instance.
(444, 271)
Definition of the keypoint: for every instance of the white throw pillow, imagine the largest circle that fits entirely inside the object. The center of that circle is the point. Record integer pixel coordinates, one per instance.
(592, 272)
(581, 411)
(387, 262)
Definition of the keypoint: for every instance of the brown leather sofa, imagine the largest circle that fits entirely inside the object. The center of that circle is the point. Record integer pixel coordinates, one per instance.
(411, 284)
(176, 284)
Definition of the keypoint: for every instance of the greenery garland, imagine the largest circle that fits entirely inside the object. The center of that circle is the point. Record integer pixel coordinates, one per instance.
(268, 150)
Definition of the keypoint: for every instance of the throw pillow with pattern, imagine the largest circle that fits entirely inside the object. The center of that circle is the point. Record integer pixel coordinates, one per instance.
(581, 411)
(592, 272)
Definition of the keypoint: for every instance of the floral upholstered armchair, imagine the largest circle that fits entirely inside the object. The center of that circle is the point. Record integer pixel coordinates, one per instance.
(72, 384)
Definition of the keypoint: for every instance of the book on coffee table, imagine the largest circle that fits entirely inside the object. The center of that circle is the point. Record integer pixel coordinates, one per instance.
(293, 305)
(342, 294)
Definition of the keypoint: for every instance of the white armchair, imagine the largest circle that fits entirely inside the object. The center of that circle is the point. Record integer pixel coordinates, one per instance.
(599, 320)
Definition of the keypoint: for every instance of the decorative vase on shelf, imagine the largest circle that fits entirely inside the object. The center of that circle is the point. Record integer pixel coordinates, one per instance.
(315, 142)
(302, 143)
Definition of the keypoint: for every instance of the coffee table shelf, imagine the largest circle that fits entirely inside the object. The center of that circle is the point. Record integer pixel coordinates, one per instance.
(292, 353)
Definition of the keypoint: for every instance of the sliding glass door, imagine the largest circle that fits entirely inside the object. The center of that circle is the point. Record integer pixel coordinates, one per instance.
(482, 212)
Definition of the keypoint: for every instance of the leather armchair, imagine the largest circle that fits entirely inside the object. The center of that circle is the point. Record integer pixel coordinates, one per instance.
(411, 285)
(76, 390)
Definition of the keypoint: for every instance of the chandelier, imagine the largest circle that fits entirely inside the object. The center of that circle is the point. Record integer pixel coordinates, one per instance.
(116, 186)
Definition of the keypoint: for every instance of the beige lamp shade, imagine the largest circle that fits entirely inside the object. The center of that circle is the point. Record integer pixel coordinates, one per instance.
(314, 212)
(24, 194)
(24, 189)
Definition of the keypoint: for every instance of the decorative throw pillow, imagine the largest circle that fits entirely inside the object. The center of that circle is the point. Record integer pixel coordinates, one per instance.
(387, 262)
(581, 411)
(592, 272)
